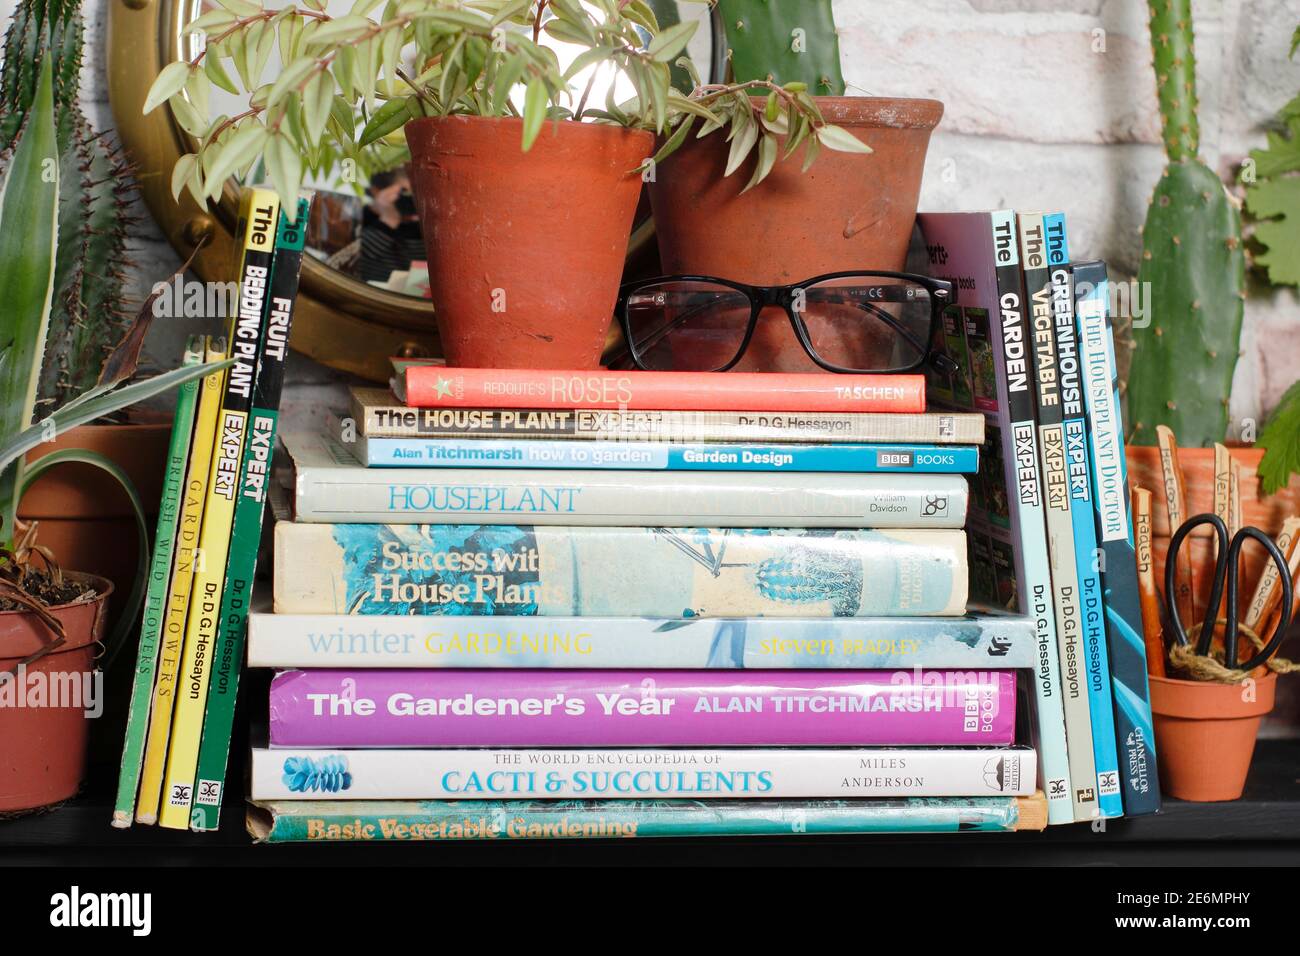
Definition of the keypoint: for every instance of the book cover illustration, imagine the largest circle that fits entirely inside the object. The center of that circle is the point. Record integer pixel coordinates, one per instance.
(617, 572)
(330, 640)
(331, 485)
(329, 821)
(377, 414)
(520, 708)
(748, 773)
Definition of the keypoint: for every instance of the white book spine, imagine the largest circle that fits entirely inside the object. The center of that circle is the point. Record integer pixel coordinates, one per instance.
(639, 774)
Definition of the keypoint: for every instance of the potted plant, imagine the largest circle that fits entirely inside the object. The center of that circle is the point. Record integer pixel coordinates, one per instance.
(50, 619)
(526, 179)
(855, 209)
(88, 525)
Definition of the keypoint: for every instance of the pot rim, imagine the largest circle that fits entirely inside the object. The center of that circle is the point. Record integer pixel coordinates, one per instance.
(103, 588)
(880, 112)
(515, 122)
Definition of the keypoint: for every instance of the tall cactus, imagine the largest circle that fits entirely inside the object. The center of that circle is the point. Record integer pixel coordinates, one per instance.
(1193, 270)
(88, 315)
(788, 41)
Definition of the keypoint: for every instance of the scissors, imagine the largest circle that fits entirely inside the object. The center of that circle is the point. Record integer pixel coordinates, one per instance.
(1226, 567)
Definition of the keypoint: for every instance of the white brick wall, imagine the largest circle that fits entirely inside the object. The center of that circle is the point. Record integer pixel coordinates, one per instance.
(1050, 103)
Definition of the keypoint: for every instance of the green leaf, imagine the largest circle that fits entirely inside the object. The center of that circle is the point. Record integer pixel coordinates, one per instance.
(535, 103)
(69, 416)
(340, 30)
(1282, 155)
(767, 149)
(671, 41)
(674, 141)
(392, 115)
(1275, 203)
(214, 21)
(241, 7)
(239, 151)
(507, 75)
(182, 172)
(838, 138)
(284, 166)
(291, 76)
(810, 153)
(317, 98)
(743, 142)
(216, 71)
(1280, 436)
(170, 81)
(29, 210)
(586, 58)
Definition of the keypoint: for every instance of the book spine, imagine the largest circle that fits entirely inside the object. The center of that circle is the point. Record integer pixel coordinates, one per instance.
(500, 708)
(1060, 528)
(1016, 377)
(189, 529)
(1087, 558)
(246, 532)
(399, 421)
(1114, 522)
(634, 572)
(328, 821)
(751, 774)
(160, 567)
(639, 498)
(529, 453)
(443, 387)
(247, 328)
(601, 643)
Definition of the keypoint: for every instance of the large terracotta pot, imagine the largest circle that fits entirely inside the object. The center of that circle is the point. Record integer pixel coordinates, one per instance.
(848, 211)
(43, 748)
(1205, 734)
(1265, 513)
(525, 250)
(86, 518)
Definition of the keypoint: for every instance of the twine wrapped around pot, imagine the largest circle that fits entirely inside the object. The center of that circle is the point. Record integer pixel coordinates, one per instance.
(1203, 667)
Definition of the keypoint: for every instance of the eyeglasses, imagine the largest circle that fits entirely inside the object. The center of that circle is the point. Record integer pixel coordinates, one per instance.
(845, 321)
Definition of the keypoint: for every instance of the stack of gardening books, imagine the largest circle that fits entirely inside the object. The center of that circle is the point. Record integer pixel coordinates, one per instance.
(545, 604)
(210, 521)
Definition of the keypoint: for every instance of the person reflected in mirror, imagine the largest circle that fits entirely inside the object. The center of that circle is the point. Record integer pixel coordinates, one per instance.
(390, 228)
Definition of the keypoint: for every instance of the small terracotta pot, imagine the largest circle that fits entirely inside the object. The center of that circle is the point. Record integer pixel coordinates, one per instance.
(1205, 734)
(526, 250)
(43, 748)
(1265, 513)
(85, 517)
(849, 211)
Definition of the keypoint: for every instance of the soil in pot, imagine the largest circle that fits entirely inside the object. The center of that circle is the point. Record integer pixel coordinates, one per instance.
(43, 706)
(848, 211)
(1205, 734)
(526, 249)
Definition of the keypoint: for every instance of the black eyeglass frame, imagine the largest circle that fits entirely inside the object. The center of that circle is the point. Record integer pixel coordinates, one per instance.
(782, 296)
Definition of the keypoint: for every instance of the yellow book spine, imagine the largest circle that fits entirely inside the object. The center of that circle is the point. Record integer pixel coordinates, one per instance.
(245, 333)
(178, 592)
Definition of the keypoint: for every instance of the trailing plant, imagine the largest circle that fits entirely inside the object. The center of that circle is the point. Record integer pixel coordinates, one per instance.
(1273, 200)
(472, 58)
(1193, 264)
(88, 314)
(29, 234)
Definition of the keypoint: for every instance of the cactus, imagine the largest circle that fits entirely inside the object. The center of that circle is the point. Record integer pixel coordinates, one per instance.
(791, 42)
(1193, 270)
(88, 315)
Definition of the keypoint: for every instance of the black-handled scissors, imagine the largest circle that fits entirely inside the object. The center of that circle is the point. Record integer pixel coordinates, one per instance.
(1226, 567)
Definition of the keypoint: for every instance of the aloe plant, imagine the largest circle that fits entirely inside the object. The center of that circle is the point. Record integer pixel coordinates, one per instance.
(87, 310)
(1193, 265)
(29, 232)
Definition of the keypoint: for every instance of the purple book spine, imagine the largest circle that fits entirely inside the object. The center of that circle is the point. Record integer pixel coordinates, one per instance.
(439, 708)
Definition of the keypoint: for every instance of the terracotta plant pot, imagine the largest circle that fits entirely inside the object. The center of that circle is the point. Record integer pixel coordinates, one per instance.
(86, 518)
(1205, 734)
(43, 748)
(849, 211)
(1265, 513)
(525, 250)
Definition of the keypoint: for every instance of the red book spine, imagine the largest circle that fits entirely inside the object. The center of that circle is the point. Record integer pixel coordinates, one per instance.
(435, 386)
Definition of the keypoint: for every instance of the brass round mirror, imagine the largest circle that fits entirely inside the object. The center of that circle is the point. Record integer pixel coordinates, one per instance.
(341, 321)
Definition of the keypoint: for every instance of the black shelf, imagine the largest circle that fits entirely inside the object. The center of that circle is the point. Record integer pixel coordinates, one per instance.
(1261, 828)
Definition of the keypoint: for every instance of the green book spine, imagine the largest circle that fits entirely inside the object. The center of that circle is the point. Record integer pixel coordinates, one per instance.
(146, 664)
(223, 686)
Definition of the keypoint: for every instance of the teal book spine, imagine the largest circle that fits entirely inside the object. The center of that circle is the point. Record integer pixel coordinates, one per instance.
(246, 534)
(547, 571)
(1114, 523)
(146, 665)
(335, 821)
(1088, 559)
